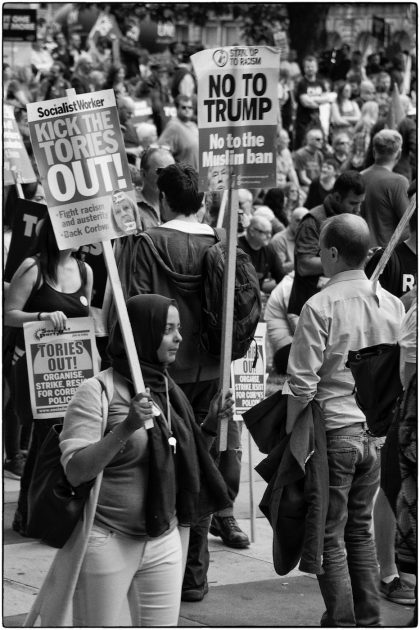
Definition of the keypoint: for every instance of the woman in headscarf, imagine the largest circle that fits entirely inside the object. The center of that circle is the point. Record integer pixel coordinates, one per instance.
(155, 482)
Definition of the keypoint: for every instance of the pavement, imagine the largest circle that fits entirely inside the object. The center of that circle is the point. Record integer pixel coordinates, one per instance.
(244, 590)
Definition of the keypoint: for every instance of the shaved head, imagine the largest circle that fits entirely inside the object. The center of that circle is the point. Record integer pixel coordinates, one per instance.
(350, 235)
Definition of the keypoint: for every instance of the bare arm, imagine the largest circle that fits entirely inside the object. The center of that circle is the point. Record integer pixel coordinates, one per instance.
(89, 461)
(309, 265)
(18, 294)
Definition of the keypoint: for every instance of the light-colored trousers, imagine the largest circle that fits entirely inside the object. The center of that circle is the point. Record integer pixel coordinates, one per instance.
(145, 574)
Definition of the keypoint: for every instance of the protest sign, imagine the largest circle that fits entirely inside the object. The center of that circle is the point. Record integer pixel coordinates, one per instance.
(248, 379)
(19, 25)
(15, 155)
(237, 116)
(80, 153)
(58, 363)
(26, 215)
(143, 111)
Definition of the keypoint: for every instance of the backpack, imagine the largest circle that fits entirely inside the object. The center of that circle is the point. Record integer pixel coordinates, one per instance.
(247, 301)
(377, 384)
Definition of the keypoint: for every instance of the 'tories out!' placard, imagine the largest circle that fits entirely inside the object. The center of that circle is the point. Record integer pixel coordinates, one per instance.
(58, 363)
(79, 149)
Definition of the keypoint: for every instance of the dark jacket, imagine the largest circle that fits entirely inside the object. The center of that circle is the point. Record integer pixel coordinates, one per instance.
(296, 499)
(171, 265)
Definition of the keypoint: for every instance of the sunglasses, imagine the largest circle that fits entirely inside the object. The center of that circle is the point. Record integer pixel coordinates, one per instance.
(187, 107)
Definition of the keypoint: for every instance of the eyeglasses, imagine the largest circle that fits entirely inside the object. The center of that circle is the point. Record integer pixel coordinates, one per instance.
(186, 107)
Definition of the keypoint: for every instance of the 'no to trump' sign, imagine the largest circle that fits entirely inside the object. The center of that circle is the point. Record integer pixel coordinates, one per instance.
(237, 116)
(79, 149)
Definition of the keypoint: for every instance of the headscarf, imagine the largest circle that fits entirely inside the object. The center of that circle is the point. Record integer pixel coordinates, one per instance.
(188, 481)
(148, 315)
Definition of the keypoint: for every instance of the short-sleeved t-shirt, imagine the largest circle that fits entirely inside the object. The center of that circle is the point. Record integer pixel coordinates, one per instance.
(306, 115)
(307, 244)
(309, 162)
(399, 275)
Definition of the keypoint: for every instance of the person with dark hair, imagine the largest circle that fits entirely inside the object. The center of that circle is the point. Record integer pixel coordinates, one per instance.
(168, 260)
(321, 186)
(130, 49)
(61, 53)
(50, 285)
(151, 486)
(345, 112)
(181, 133)
(386, 192)
(310, 94)
(346, 196)
(55, 85)
(274, 199)
(347, 314)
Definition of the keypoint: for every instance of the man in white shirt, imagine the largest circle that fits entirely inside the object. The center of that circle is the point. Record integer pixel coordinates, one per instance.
(348, 314)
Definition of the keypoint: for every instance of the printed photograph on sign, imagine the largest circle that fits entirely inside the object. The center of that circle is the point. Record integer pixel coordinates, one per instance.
(79, 149)
(58, 363)
(237, 109)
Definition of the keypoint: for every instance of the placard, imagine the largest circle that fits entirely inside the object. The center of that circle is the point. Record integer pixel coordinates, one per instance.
(249, 380)
(58, 363)
(15, 155)
(237, 109)
(80, 153)
(19, 25)
(25, 218)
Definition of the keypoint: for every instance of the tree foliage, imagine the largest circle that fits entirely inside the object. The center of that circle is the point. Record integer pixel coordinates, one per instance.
(306, 20)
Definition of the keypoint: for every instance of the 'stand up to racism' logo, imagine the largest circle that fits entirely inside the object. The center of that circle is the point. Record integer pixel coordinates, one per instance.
(220, 57)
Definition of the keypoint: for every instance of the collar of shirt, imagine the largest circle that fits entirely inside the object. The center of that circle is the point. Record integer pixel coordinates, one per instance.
(189, 227)
(355, 274)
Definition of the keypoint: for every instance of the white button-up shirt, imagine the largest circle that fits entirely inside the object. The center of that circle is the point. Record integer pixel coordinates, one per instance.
(346, 315)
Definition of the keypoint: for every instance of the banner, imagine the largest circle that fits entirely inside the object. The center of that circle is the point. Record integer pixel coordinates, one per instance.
(19, 25)
(237, 116)
(25, 217)
(80, 153)
(58, 363)
(249, 380)
(15, 155)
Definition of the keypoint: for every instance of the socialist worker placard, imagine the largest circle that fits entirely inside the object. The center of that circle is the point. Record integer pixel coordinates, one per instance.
(79, 149)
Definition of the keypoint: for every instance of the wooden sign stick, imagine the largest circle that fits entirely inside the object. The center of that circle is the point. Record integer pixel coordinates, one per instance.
(17, 178)
(394, 240)
(221, 215)
(228, 305)
(127, 333)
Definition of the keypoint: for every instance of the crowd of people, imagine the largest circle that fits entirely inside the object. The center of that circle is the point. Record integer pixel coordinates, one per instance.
(345, 172)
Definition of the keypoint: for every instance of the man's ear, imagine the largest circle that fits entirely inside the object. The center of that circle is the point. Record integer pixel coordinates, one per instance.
(336, 196)
(334, 253)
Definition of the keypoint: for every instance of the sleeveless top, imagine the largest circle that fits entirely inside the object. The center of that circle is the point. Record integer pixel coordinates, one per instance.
(48, 299)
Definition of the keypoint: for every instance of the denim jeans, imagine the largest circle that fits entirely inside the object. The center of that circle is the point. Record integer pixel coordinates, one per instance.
(350, 584)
